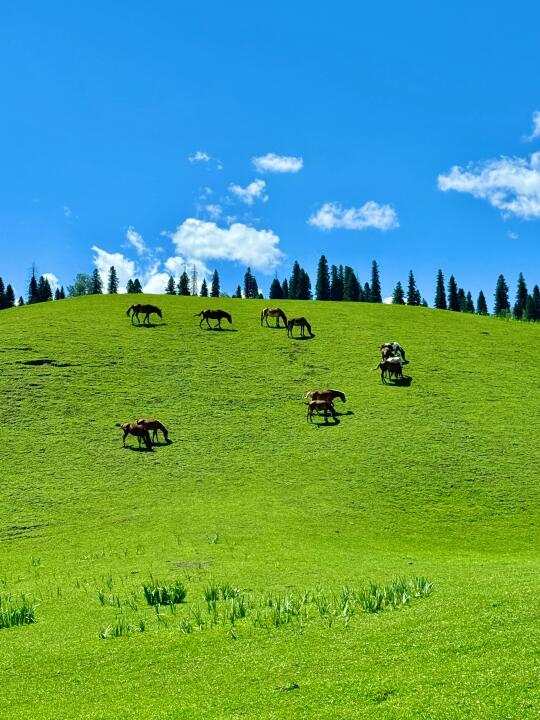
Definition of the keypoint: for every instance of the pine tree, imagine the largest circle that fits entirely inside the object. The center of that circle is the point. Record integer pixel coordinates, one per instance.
(44, 290)
(304, 286)
(481, 304)
(183, 284)
(375, 295)
(424, 302)
(462, 300)
(170, 288)
(10, 297)
(21, 302)
(285, 289)
(214, 292)
(294, 281)
(536, 300)
(529, 312)
(276, 293)
(62, 293)
(137, 287)
(251, 289)
(204, 288)
(97, 283)
(130, 287)
(469, 304)
(398, 298)
(33, 288)
(453, 299)
(361, 296)
(367, 293)
(351, 286)
(502, 304)
(3, 301)
(440, 294)
(413, 294)
(112, 287)
(521, 297)
(336, 283)
(57, 294)
(238, 292)
(322, 286)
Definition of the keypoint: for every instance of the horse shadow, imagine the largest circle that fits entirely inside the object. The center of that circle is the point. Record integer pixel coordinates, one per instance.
(323, 424)
(149, 325)
(162, 443)
(348, 412)
(222, 329)
(302, 337)
(405, 381)
(135, 448)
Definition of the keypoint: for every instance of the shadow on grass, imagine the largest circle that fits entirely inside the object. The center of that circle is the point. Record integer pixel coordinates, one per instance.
(275, 327)
(341, 414)
(218, 329)
(405, 381)
(135, 448)
(305, 337)
(324, 424)
(162, 443)
(149, 325)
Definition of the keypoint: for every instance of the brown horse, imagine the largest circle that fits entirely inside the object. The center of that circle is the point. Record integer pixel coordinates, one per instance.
(146, 309)
(154, 425)
(140, 432)
(392, 366)
(320, 406)
(325, 395)
(273, 312)
(213, 315)
(302, 323)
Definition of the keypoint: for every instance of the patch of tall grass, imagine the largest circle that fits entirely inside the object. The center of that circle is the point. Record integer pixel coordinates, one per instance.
(158, 593)
(12, 613)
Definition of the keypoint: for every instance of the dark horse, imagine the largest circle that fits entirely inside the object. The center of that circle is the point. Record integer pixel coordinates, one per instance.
(273, 312)
(146, 309)
(140, 432)
(302, 322)
(154, 425)
(214, 315)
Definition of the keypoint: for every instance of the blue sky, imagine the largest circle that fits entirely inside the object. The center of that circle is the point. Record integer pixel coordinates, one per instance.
(407, 131)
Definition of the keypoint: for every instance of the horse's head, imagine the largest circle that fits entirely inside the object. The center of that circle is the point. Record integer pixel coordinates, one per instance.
(158, 312)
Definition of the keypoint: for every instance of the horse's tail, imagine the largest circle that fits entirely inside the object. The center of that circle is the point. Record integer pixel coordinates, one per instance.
(199, 314)
(118, 425)
(130, 309)
(262, 315)
(377, 367)
(308, 394)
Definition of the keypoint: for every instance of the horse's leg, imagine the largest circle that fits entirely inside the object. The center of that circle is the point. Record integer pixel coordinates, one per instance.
(208, 323)
(125, 436)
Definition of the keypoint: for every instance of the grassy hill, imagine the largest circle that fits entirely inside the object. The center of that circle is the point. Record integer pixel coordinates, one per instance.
(438, 479)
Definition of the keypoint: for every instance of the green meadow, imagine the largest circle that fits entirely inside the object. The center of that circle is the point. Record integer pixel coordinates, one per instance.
(383, 567)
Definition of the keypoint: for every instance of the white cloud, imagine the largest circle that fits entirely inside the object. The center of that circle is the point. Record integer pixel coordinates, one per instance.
(67, 211)
(156, 283)
(125, 268)
(214, 211)
(511, 184)
(278, 163)
(136, 239)
(536, 126)
(371, 215)
(53, 280)
(513, 235)
(199, 156)
(388, 300)
(255, 190)
(202, 240)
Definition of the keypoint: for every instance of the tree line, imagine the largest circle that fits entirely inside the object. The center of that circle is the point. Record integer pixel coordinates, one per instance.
(335, 282)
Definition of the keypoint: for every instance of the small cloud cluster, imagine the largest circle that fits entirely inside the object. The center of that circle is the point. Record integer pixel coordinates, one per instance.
(199, 156)
(333, 216)
(536, 127)
(277, 163)
(510, 184)
(253, 191)
(136, 240)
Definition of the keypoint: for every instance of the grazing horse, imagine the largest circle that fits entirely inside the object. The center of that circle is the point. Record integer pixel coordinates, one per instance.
(302, 322)
(325, 395)
(146, 309)
(154, 425)
(273, 312)
(392, 366)
(140, 432)
(320, 406)
(214, 315)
